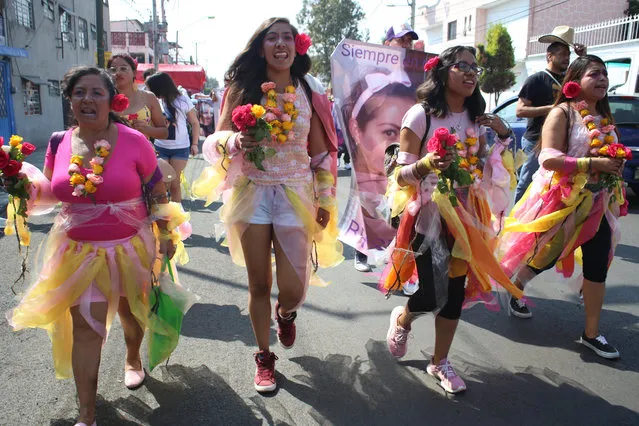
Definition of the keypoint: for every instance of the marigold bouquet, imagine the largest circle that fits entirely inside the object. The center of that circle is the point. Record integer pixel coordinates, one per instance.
(14, 181)
(443, 142)
(250, 118)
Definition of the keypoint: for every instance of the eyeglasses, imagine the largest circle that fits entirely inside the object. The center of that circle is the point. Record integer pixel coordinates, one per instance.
(121, 68)
(466, 68)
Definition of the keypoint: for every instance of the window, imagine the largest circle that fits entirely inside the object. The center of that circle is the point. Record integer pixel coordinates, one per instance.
(24, 13)
(66, 26)
(83, 34)
(32, 102)
(54, 88)
(137, 39)
(452, 30)
(94, 32)
(118, 38)
(470, 20)
(465, 23)
(49, 10)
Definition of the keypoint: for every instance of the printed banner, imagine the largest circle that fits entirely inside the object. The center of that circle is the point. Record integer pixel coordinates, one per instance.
(373, 86)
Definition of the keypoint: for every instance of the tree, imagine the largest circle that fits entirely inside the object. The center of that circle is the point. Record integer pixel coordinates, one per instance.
(328, 22)
(497, 58)
(212, 83)
(633, 8)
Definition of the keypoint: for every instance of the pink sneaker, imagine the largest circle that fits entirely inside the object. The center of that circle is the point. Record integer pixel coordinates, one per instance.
(285, 328)
(448, 379)
(265, 371)
(397, 336)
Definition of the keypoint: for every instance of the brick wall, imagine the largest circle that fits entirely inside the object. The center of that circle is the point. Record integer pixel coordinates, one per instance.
(545, 15)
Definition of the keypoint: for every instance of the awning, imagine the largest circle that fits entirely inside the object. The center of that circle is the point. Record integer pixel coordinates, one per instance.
(35, 79)
(191, 77)
(13, 51)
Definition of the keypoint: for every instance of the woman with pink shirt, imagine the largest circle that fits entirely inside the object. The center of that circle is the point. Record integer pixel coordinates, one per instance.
(288, 203)
(98, 257)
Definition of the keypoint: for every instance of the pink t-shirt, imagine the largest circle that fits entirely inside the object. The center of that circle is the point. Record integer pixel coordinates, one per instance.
(132, 159)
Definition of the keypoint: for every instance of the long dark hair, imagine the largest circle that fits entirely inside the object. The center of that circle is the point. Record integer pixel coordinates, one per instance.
(432, 91)
(72, 77)
(248, 70)
(576, 72)
(163, 86)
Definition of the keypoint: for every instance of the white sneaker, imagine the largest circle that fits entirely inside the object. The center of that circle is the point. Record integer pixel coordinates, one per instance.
(410, 287)
(362, 266)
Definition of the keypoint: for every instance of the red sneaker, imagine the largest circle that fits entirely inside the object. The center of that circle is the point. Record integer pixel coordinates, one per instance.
(265, 371)
(285, 328)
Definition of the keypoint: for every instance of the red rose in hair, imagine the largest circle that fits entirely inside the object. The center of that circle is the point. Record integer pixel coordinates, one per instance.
(437, 146)
(27, 148)
(441, 134)
(432, 63)
(571, 89)
(12, 169)
(302, 43)
(4, 159)
(119, 103)
(243, 118)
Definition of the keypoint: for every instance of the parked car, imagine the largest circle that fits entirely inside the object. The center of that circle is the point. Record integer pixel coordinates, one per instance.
(625, 111)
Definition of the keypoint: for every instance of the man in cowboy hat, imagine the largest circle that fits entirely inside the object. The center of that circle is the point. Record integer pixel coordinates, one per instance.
(536, 99)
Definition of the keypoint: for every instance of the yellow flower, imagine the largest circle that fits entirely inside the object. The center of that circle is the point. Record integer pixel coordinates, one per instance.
(473, 160)
(478, 173)
(102, 152)
(592, 126)
(289, 107)
(463, 163)
(76, 159)
(471, 141)
(459, 145)
(15, 140)
(281, 138)
(275, 123)
(584, 112)
(621, 153)
(271, 93)
(258, 111)
(76, 179)
(89, 187)
(604, 121)
(276, 130)
(289, 89)
(97, 169)
(294, 115)
(271, 103)
(288, 125)
(609, 139)
(595, 143)
(603, 150)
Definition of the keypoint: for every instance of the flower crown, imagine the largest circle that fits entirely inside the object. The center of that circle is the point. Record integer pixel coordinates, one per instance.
(432, 63)
(302, 43)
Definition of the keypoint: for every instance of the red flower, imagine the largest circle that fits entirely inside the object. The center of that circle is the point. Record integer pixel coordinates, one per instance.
(119, 103)
(571, 89)
(1, 140)
(12, 169)
(436, 145)
(27, 148)
(623, 209)
(132, 117)
(451, 140)
(4, 159)
(432, 63)
(243, 118)
(614, 148)
(302, 43)
(441, 134)
(628, 153)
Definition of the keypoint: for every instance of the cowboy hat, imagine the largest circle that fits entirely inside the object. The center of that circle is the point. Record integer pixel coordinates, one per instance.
(562, 34)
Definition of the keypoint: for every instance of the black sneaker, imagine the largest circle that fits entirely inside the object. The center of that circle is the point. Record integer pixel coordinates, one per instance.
(600, 346)
(518, 308)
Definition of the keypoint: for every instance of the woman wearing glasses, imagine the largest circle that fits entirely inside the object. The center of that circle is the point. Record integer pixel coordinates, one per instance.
(450, 242)
(144, 113)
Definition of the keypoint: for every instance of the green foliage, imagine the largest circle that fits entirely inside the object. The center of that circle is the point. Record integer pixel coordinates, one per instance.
(633, 8)
(212, 83)
(327, 23)
(497, 58)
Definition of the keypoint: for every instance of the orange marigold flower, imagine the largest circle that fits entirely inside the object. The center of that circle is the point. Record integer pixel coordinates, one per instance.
(584, 112)
(77, 179)
(90, 187)
(473, 160)
(97, 169)
(76, 159)
(281, 138)
(609, 139)
(595, 143)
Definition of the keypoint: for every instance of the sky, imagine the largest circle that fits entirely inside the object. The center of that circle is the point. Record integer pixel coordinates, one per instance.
(220, 40)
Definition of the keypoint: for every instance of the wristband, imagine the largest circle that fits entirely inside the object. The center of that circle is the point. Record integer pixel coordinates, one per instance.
(427, 162)
(583, 164)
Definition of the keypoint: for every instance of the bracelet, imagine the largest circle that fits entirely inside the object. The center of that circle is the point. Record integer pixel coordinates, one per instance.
(426, 162)
(582, 165)
(590, 165)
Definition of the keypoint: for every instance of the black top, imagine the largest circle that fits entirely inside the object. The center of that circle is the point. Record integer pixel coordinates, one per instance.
(541, 90)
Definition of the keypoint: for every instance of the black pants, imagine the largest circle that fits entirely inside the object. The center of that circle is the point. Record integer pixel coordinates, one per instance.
(424, 299)
(595, 255)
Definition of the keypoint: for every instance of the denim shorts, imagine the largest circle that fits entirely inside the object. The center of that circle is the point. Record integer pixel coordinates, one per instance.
(272, 207)
(178, 154)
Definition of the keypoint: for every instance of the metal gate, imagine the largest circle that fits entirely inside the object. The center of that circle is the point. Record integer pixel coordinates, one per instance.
(7, 120)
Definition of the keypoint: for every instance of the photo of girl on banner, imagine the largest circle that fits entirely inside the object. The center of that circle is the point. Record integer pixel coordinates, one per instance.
(373, 86)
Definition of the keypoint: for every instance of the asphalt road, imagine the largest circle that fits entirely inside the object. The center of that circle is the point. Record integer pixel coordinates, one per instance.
(528, 372)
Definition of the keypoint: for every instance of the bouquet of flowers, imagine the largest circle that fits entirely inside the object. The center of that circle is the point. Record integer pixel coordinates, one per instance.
(443, 142)
(14, 181)
(250, 118)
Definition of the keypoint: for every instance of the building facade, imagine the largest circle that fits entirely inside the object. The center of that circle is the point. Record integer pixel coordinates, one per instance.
(55, 35)
(132, 37)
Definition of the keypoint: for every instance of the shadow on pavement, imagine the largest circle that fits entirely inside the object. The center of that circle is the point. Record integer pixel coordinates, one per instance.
(559, 323)
(342, 390)
(627, 253)
(185, 396)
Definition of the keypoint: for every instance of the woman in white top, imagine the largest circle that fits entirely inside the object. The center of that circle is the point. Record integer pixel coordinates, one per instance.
(179, 144)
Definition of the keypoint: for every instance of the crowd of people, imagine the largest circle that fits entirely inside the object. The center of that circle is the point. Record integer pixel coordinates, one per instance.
(119, 220)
